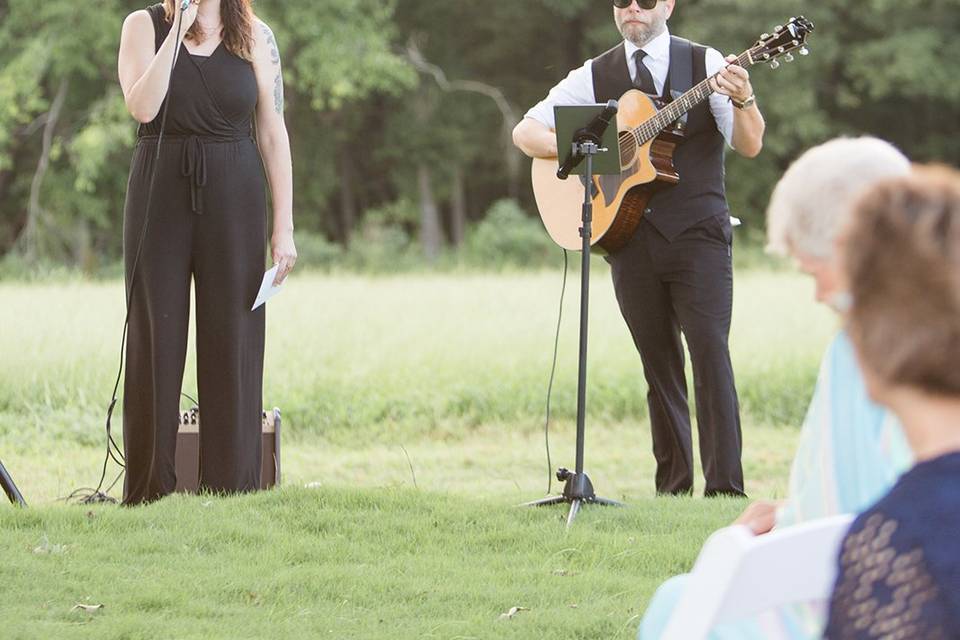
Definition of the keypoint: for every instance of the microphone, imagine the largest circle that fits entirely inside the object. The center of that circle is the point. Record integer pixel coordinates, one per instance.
(593, 132)
(184, 5)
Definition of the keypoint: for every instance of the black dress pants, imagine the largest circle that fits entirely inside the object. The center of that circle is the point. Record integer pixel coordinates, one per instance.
(665, 288)
(215, 236)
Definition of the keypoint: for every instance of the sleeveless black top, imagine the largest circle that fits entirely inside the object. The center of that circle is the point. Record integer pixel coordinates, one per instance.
(210, 97)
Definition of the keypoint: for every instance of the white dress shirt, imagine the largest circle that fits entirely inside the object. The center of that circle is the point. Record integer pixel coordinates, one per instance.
(577, 87)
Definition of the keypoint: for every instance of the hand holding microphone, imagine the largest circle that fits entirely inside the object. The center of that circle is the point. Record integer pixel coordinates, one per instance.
(187, 11)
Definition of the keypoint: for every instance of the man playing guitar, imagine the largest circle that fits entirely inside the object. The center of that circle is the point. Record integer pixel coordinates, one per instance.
(675, 272)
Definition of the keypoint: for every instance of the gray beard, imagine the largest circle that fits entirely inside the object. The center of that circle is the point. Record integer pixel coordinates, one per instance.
(640, 36)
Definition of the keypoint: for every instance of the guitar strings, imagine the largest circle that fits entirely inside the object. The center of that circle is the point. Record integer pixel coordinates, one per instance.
(651, 128)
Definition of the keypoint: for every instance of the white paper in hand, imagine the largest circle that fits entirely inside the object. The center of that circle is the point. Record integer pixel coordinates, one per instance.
(267, 288)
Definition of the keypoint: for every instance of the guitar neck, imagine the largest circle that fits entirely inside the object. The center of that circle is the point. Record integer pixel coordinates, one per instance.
(676, 109)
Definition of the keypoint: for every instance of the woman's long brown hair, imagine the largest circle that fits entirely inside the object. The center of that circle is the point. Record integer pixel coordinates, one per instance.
(237, 19)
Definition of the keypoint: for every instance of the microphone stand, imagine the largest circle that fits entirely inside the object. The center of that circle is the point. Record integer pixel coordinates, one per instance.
(10, 488)
(578, 489)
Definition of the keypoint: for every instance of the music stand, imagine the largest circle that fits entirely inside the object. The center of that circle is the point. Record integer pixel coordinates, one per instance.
(588, 155)
(10, 488)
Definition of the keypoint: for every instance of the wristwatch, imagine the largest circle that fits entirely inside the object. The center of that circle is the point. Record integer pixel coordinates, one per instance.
(746, 104)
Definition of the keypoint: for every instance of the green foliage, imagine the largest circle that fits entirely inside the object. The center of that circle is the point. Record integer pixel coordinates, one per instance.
(384, 243)
(339, 53)
(362, 118)
(508, 237)
(20, 93)
(505, 238)
(101, 143)
(315, 251)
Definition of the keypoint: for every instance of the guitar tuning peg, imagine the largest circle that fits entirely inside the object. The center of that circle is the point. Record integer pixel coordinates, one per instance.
(788, 57)
(774, 64)
(804, 51)
(778, 29)
(763, 37)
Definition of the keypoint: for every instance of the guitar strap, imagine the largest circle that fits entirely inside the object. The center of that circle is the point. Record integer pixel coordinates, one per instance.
(681, 72)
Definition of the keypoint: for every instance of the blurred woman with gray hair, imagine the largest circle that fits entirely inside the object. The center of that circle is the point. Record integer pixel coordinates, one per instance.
(851, 451)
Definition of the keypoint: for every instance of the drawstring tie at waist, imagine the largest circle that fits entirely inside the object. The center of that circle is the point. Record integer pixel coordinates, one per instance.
(193, 165)
(193, 161)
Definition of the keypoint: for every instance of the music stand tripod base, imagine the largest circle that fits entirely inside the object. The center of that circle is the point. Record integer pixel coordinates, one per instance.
(586, 143)
(577, 491)
(10, 488)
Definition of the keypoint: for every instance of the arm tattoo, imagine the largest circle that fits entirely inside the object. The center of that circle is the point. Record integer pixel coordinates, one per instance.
(272, 43)
(275, 59)
(278, 94)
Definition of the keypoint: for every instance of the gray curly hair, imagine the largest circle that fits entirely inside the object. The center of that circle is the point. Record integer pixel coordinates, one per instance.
(814, 197)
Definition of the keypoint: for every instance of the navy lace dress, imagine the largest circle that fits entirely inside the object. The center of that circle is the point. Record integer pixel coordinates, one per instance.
(899, 567)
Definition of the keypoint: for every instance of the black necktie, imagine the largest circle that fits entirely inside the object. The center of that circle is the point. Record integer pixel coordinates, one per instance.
(643, 79)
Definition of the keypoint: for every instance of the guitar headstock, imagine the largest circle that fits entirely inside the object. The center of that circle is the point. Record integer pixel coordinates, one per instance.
(782, 43)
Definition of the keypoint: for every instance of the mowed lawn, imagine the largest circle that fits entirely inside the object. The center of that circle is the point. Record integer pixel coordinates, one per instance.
(413, 423)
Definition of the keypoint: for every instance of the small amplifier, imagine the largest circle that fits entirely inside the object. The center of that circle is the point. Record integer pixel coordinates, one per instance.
(188, 450)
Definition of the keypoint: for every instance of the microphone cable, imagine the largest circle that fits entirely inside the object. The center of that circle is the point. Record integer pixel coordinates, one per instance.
(553, 370)
(86, 495)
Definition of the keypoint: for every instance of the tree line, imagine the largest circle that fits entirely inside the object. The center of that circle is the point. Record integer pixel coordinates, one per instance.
(400, 111)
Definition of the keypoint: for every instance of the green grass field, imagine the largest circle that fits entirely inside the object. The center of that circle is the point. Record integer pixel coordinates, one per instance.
(413, 408)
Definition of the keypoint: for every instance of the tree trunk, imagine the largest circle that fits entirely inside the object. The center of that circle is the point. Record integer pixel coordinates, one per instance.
(573, 43)
(513, 159)
(430, 232)
(458, 208)
(83, 253)
(10, 230)
(29, 238)
(348, 200)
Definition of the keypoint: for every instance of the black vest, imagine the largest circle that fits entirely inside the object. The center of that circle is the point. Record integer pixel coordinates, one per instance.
(699, 159)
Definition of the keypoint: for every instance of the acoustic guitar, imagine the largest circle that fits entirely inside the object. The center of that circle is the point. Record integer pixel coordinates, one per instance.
(648, 137)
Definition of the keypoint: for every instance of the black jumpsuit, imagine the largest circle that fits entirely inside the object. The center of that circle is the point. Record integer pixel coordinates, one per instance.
(207, 221)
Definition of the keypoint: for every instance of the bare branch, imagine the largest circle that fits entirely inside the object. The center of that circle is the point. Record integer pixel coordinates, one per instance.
(508, 113)
(415, 56)
(29, 129)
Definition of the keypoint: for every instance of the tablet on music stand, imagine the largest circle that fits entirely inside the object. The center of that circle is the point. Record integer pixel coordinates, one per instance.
(573, 118)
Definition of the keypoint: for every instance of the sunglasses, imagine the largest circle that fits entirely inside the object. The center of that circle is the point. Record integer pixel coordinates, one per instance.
(644, 4)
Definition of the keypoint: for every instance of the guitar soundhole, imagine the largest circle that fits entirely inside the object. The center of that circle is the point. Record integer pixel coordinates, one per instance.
(628, 150)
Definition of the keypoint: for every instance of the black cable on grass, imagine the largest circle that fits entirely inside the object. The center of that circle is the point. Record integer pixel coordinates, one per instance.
(553, 370)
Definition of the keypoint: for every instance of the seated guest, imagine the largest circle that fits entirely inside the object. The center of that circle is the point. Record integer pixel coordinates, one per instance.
(899, 566)
(851, 450)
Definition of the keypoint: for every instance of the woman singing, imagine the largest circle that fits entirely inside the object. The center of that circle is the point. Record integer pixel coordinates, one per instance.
(207, 221)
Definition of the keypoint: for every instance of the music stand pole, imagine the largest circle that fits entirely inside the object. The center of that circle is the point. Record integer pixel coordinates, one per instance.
(10, 488)
(578, 489)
